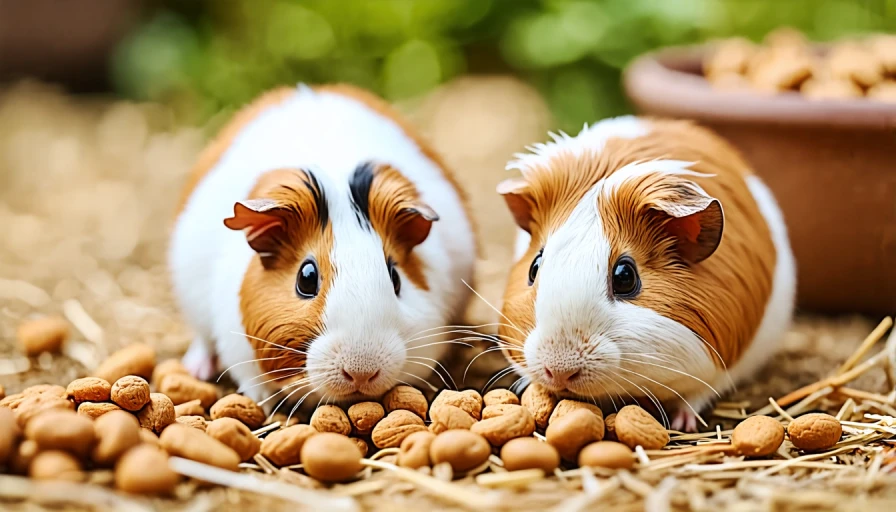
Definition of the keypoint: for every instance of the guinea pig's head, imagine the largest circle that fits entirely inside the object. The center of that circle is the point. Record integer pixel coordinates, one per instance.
(603, 302)
(335, 288)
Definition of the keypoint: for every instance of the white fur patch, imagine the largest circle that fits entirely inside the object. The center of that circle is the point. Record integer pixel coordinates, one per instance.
(330, 134)
(591, 138)
(660, 166)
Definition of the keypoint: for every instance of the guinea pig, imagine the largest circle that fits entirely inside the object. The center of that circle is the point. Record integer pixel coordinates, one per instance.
(319, 246)
(651, 265)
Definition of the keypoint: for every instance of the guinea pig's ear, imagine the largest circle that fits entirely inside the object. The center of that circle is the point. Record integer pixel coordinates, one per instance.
(263, 222)
(413, 221)
(692, 217)
(515, 192)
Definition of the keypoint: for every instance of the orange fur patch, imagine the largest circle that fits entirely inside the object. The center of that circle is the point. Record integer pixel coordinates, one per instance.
(390, 194)
(723, 298)
(271, 310)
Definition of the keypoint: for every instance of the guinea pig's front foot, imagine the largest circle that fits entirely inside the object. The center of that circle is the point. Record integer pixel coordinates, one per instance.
(685, 418)
(199, 360)
(684, 421)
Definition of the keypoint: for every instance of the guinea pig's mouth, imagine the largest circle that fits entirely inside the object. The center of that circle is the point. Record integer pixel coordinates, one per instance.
(344, 385)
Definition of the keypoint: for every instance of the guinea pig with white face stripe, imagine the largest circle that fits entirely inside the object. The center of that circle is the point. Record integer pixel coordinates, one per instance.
(652, 265)
(319, 246)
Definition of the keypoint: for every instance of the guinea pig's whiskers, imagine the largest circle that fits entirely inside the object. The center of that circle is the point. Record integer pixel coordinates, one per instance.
(612, 377)
(428, 384)
(325, 395)
(299, 403)
(686, 374)
(440, 365)
(493, 324)
(453, 331)
(650, 396)
(609, 395)
(731, 382)
(285, 398)
(243, 389)
(455, 342)
(268, 342)
(696, 414)
(519, 383)
(244, 362)
(489, 304)
(291, 385)
(496, 377)
(275, 371)
(486, 351)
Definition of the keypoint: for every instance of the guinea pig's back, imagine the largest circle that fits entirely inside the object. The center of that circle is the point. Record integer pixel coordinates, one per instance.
(331, 130)
(749, 282)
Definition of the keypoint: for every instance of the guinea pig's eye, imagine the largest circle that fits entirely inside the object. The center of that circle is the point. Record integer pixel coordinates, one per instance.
(626, 283)
(308, 281)
(533, 269)
(396, 279)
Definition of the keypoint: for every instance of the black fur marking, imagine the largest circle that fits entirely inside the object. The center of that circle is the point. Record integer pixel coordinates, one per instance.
(320, 198)
(359, 184)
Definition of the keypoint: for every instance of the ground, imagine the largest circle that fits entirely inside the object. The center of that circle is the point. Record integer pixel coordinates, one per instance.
(87, 191)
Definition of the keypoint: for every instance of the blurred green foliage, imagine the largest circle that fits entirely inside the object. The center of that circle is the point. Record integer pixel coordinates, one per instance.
(209, 56)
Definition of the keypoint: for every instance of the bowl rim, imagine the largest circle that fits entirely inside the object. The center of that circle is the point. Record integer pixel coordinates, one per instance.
(653, 85)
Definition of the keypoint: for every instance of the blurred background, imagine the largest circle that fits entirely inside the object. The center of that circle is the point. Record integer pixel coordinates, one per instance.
(208, 56)
(104, 105)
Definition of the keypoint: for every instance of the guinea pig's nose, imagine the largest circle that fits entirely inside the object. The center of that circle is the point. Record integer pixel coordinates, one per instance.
(359, 377)
(561, 376)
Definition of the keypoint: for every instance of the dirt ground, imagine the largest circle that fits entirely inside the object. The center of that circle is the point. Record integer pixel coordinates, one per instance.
(87, 190)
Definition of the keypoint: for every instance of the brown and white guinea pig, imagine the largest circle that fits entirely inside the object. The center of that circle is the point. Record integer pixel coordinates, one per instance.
(307, 257)
(651, 264)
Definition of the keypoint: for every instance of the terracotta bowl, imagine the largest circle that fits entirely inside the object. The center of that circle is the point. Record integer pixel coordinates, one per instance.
(831, 165)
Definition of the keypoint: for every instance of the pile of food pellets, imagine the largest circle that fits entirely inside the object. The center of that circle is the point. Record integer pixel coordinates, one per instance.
(785, 61)
(134, 416)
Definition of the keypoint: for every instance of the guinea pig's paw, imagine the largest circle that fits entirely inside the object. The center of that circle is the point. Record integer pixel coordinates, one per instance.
(200, 361)
(685, 421)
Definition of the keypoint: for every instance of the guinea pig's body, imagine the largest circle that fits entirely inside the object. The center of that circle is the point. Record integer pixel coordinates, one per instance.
(652, 263)
(306, 257)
